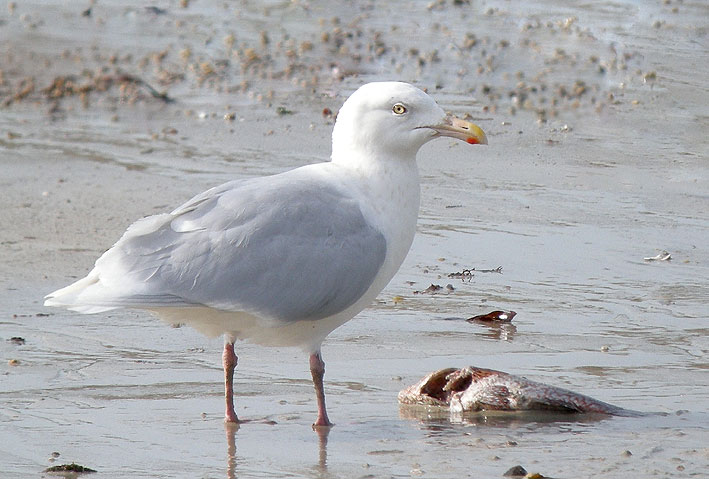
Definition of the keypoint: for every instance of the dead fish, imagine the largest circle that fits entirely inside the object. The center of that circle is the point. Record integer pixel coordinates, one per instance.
(476, 389)
(662, 256)
(498, 316)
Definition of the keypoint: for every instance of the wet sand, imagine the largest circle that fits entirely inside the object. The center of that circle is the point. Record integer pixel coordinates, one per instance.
(596, 117)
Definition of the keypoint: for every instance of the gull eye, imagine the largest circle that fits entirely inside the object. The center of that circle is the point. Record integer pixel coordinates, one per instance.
(398, 109)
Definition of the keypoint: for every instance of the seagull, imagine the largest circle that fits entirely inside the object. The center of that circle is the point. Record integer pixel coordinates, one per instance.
(283, 260)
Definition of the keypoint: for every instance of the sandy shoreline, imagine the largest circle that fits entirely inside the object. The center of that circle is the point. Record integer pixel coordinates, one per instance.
(568, 198)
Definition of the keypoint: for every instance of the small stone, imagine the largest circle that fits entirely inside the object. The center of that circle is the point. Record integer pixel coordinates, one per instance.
(516, 471)
(229, 41)
(185, 54)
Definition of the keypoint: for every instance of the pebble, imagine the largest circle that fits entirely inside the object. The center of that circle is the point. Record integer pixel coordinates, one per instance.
(516, 471)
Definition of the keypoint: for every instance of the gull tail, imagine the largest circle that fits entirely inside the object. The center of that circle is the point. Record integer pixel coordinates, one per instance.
(69, 297)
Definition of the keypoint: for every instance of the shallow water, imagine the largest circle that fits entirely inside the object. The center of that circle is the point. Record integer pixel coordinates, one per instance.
(569, 207)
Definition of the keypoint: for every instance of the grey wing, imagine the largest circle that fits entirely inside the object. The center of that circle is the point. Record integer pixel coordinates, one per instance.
(273, 247)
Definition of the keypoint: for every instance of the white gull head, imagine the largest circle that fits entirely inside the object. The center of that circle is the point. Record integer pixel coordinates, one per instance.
(384, 121)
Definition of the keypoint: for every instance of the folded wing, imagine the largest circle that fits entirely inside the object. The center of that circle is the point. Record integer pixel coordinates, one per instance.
(275, 247)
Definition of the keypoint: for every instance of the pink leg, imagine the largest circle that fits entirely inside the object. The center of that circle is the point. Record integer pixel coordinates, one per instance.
(229, 359)
(317, 370)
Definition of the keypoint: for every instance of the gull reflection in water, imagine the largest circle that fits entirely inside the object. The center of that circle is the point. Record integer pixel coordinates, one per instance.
(322, 433)
(231, 429)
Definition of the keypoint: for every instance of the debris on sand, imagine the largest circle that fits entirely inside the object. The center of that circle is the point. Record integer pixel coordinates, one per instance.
(64, 86)
(662, 256)
(436, 288)
(469, 273)
(69, 469)
(493, 316)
